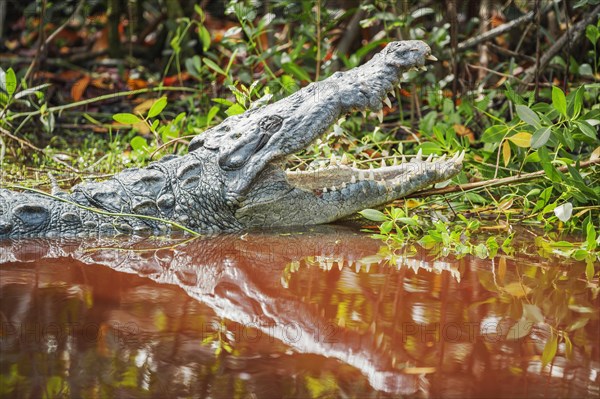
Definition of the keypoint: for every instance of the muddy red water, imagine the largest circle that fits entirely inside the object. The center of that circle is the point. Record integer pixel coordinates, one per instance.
(325, 312)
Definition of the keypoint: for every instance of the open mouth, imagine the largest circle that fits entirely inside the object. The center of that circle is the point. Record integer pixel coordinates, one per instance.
(394, 175)
(340, 175)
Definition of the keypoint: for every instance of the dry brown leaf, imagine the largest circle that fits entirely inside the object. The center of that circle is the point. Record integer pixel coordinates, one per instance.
(144, 106)
(595, 154)
(464, 131)
(79, 87)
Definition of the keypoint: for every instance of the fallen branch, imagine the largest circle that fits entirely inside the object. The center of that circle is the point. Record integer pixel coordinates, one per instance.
(497, 31)
(571, 35)
(497, 182)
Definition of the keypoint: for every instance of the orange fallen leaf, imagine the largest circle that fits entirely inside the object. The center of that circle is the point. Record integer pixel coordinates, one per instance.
(79, 87)
(136, 84)
(464, 131)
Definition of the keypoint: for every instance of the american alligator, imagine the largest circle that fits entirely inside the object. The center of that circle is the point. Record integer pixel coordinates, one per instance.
(232, 178)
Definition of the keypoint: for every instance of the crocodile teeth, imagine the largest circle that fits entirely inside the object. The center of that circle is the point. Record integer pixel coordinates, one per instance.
(383, 165)
(429, 158)
(354, 164)
(419, 156)
(431, 58)
(461, 157)
(442, 158)
(333, 160)
(380, 115)
(322, 164)
(333, 188)
(422, 68)
(387, 102)
(393, 93)
(353, 179)
(324, 189)
(344, 184)
(361, 176)
(403, 159)
(395, 161)
(371, 175)
(364, 113)
(344, 160)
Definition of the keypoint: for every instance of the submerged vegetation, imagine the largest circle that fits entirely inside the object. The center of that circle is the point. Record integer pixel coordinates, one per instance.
(529, 122)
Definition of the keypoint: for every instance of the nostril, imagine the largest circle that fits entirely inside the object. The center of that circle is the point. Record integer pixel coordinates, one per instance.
(196, 143)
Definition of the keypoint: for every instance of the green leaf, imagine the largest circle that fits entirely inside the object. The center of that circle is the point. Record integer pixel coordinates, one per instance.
(139, 144)
(587, 129)
(568, 347)
(520, 329)
(549, 350)
(589, 271)
(296, 71)
(386, 227)
(11, 81)
(517, 289)
(578, 102)
(590, 237)
(373, 215)
(235, 109)
(212, 65)
(407, 221)
(550, 170)
(528, 116)
(540, 137)
(494, 134)
(157, 107)
(126, 118)
(559, 101)
(577, 324)
(204, 36)
(532, 313)
(212, 112)
(474, 197)
(592, 33)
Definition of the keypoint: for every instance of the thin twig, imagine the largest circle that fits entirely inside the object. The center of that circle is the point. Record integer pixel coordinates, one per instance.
(572, 34)
(20, 140)
(497, 31)
(102, 98)
(496, 182)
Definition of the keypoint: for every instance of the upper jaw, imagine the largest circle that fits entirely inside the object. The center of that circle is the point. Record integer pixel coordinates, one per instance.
(308, 113)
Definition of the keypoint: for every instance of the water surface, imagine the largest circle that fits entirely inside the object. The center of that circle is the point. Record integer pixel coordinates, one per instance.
(324, 312)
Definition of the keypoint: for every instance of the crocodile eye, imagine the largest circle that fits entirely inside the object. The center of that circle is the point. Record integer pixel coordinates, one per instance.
(271, 123)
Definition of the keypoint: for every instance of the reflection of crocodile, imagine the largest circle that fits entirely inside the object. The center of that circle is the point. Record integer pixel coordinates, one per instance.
(239, 278)
(232, 177)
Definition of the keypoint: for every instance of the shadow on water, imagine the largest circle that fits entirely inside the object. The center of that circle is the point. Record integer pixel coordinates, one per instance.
(324, 312)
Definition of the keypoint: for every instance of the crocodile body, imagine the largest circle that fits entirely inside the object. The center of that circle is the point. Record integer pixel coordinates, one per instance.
(232, 177)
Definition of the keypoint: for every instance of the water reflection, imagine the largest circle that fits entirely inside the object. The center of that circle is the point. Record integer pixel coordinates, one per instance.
(324, 312)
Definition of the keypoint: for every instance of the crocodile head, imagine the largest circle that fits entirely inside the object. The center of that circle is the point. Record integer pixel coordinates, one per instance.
(251, 148)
